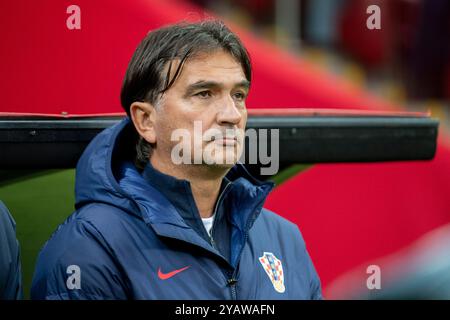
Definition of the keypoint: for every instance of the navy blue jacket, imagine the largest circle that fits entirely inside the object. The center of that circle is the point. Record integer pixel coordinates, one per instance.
(138, 235)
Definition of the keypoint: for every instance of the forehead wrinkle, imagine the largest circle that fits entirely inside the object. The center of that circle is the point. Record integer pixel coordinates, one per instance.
(199, 66)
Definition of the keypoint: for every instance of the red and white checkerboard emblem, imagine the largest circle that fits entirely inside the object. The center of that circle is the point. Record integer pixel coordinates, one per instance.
(274, 270)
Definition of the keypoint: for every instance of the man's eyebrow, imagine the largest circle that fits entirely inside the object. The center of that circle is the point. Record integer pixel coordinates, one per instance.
(244, 83)
(203, 84)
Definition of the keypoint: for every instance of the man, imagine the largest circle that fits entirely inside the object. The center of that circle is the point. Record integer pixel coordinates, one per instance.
(149, 226)
(10, 267)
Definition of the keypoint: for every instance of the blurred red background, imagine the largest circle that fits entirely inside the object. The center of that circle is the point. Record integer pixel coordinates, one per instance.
(350, 214)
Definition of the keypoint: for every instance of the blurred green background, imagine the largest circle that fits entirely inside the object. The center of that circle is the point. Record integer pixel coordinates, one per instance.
(39, 201)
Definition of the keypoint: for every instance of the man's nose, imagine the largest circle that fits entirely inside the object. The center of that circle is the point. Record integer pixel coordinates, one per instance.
(228, 112)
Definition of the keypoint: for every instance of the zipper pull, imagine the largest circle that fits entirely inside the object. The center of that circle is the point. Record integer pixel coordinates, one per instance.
(213, 243)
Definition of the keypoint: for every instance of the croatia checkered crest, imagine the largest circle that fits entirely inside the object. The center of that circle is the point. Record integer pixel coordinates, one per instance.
(274, 270)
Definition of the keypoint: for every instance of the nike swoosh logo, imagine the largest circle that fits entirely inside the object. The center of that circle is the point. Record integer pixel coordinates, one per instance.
(165, 276)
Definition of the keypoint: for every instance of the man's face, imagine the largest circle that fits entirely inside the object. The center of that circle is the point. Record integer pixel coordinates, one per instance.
(207, 103)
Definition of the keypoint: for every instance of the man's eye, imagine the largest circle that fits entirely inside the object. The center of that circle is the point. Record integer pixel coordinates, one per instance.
(239, 96)
(203, 94)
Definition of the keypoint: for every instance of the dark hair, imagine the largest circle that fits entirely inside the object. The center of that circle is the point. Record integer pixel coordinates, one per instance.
(144, 80)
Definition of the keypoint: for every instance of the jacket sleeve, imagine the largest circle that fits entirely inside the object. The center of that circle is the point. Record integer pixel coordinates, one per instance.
(315, 284)
(77, 263)
(10, 268)
(316, 288)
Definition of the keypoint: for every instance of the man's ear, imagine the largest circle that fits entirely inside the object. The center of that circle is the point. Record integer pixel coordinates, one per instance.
(143, 115)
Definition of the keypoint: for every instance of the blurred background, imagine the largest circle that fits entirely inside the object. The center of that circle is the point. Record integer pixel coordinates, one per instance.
(407, 61)
(305, 53)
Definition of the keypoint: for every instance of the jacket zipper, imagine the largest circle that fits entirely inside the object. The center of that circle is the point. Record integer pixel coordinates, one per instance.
(231, 281)
(211, 238)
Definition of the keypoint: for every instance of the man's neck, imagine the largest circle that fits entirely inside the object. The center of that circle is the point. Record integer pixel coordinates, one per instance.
(205, 182)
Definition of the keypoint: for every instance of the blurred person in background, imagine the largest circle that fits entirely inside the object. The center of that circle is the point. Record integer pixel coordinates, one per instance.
(429, 72)
(10, 267)
(425, 273)
(418, 271)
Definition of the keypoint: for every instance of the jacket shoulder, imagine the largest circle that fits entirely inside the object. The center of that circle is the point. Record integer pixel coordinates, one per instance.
(104, 216)
(278, 224)
(74, 251)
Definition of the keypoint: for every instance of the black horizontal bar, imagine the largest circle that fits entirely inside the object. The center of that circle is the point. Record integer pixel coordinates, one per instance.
(31, 143)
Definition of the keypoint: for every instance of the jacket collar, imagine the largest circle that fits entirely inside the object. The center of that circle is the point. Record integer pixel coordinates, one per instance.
(179, 194)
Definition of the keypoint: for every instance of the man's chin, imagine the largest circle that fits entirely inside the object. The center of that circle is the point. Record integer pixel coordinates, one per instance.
(222, 160)
(224, 166)
(214, 168)
(219, 163)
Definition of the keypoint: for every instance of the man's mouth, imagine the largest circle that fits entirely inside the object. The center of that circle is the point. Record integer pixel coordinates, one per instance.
(225, 140)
